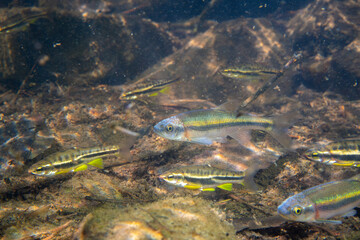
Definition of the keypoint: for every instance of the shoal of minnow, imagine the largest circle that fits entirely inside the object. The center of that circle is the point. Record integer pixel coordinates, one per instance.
(73, 160)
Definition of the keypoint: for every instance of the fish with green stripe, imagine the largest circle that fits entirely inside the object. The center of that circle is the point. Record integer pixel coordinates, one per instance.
(344, 153)
(319, 203)
(73, 160)
(214, 125)
(203, 177)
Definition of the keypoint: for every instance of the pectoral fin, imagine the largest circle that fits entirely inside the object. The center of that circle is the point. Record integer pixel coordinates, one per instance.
(328, 221)
(193, 186)
(226, 186)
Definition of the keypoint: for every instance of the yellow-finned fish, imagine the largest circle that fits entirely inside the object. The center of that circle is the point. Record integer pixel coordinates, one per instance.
(344, 153)
(249, 72)
(203, 178)
(319, 203)
(73, 160)
(150, 89)
(214, 125)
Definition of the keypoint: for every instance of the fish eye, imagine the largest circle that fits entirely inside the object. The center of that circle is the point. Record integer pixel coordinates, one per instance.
(315, 155)
(169, 128)
(297, 210)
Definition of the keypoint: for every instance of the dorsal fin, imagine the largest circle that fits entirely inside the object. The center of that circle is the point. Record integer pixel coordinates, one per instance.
(229, 106)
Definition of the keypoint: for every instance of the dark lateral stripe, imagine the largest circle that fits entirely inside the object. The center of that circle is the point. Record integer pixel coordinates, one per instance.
(344, 157)
(99, 154)
(228, 178)
(228, 124)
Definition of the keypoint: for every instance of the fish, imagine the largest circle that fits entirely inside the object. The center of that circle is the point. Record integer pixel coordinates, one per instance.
(149, 89)
(319, 203)
(203, 177)
(249, 72)
(73, 160)
(344, 153)
(206, 126)
(19, 24)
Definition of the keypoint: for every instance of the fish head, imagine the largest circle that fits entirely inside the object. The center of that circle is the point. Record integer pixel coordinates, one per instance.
(171, 128)
(173, 178)
(41, 169)
(297, 208)
(313, 155)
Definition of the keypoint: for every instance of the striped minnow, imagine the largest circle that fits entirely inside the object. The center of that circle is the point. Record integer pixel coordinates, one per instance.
(150, 88)
(319, 203)
(249, 72)
(214, 125)
(341, 153)
(73, 160)
(203, 178)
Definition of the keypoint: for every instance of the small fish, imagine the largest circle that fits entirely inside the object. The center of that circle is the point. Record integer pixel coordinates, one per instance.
(249, 72)
(341, 153)
(319, 203)
(19, 24)
(214, 125)
(203, 178)
(73, 160)
(149, 89)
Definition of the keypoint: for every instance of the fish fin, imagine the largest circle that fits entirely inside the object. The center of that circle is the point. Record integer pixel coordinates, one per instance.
(98, 163)
(281, 126)
(226, 186)
(153, 94)
(343, 164)
(349, 213)
(193, 186)
(328, 221)
(64, 171)
(204, 140)
(229, 106)
(81, 167)
(244, 138)
(208, 189)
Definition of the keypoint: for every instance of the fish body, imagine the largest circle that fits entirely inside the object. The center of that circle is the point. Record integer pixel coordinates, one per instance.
(249, 72)
(214, 125)
(319, 203)
(73, 160)
(340, 153)
(147, 89)
(203, 178)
